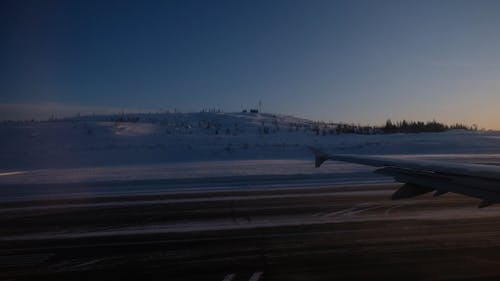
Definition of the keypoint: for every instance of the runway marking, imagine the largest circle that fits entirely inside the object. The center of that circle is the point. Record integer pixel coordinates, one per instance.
(365, 209)
(255, 276)
(392, 208)
(11, 173)
(86, 263)
(353, 210)
(229, 277)
(341, 212)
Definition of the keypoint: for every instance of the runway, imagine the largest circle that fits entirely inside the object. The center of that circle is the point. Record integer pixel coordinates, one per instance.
(310, 231)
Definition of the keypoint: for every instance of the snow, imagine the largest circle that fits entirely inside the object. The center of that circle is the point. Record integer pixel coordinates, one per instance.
(187, 145)
(183, 170)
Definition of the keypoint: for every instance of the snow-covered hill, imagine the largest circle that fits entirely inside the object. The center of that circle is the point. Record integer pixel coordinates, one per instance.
(180, 137)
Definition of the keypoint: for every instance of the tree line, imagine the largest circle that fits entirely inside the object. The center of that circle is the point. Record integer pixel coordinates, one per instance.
(422, 127)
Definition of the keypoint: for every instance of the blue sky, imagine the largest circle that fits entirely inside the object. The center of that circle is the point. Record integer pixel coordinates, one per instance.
(350, 61)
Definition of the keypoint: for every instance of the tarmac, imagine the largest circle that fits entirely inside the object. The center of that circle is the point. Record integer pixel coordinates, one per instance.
(310, 230)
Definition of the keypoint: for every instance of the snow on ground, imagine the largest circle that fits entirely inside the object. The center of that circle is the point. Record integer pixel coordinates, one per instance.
(181, 145)
(183, 170)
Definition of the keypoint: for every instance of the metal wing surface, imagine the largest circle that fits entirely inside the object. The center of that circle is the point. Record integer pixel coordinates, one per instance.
(423, 176)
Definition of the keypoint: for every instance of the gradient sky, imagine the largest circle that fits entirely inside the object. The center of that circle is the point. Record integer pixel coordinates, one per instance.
(350, 61)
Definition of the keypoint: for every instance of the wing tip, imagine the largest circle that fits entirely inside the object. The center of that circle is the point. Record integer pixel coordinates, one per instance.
(320, 156)
(484, 204)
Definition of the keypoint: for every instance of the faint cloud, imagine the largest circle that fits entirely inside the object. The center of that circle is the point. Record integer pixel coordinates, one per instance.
(47, 110)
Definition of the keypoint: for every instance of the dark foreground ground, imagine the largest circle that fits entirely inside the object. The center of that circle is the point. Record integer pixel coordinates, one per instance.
(314, 233)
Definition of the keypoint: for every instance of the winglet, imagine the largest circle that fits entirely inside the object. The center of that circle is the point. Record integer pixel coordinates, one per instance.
(484, 204)
(320, 156)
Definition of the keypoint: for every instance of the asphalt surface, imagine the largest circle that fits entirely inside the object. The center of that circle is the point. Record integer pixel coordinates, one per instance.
(314, 229)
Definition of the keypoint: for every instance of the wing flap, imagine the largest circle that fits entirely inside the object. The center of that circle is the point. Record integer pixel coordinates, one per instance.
(422, 176)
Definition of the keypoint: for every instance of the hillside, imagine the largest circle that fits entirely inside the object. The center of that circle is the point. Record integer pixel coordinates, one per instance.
(180, 137)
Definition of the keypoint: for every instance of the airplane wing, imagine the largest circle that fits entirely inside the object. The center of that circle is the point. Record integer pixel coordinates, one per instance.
(423, 176)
